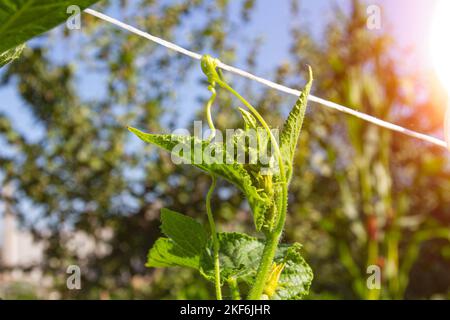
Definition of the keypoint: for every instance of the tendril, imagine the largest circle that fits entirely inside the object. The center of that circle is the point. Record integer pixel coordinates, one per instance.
(209, 118)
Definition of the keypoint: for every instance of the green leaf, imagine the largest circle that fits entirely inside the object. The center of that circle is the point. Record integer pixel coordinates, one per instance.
(21, 20)
(293, 126)
(166, 253)
(240, 256)
(211, 157)
(10, 55)
(187, 233)
(297, 275)
(184, 246)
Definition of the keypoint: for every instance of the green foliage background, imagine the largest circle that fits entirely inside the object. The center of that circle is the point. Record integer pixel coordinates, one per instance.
(359, 195)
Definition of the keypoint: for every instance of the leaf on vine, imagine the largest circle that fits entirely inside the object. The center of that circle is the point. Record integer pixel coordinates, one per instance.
(11, 54)
(21, 20)
(293, 126)
(297, 275)
(184, 231)
(240, 256)
(184, 246)
(212, 158)
(166, 253)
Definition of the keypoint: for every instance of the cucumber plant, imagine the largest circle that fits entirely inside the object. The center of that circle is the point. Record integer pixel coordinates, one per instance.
(262, 268)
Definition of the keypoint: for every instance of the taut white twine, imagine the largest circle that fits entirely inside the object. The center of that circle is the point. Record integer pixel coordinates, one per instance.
(273, 85)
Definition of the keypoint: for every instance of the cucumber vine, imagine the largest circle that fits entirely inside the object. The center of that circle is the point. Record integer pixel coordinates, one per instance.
(263, 269)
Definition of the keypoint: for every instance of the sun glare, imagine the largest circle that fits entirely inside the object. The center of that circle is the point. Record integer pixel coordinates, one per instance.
(440, 41)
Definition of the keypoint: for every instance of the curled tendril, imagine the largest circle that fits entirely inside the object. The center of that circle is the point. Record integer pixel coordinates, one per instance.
(209, 104)
(209, 68)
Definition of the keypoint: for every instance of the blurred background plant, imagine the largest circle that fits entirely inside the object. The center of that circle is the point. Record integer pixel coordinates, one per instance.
(361, 196)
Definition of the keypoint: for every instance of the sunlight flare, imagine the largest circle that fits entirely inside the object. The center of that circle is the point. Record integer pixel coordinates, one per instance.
(440, 41)
(440, 52)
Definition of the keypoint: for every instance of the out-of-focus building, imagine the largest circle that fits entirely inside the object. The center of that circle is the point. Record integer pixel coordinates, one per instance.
(18, 249)
(20, 255)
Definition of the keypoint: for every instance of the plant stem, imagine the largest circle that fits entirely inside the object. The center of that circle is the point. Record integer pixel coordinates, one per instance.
(232, 283)
(272, 238)
(212, 226)
(264, 267)
(270, 248)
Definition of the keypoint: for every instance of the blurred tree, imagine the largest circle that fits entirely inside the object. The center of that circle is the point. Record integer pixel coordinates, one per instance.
(364, 195)
(83, 174)
(361, 196)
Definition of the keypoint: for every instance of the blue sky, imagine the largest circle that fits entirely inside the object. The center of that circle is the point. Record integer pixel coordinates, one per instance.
(269, 22)
(407, 20)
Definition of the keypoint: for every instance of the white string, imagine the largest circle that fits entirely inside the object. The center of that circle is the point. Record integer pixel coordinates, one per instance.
(271, 84)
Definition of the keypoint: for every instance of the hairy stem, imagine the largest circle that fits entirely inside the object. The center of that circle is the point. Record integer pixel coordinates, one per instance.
(270, 248)
(232, 283)
(212, 226)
